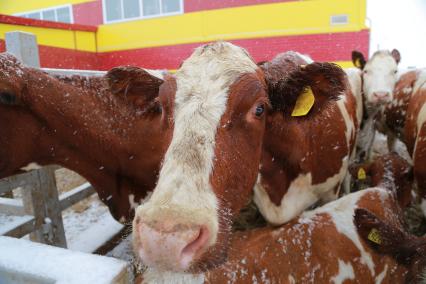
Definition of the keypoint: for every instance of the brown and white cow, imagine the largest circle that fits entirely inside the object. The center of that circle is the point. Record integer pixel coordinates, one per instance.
(379, 76)
(393, 119)
(320, 246)
(105, 128)
(216, 105)
(415, 134)
(305, 159)
(404, 118)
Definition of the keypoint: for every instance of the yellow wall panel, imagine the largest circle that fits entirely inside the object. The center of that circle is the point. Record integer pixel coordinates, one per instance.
(10, 7)
(278, 19)
(50, 37)
(85, 41)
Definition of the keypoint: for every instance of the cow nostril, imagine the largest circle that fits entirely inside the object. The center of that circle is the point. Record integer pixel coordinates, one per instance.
(381, 95)
(195, 246)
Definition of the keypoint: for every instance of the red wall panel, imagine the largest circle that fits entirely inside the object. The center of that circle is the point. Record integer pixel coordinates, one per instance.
(2, 46)
(200, 5)
(321, 47)
(89, 13)
(53, 57)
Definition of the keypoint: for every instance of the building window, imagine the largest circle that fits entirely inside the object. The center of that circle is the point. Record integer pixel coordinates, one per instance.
(339, 20)
(57, 14)
(123, 10)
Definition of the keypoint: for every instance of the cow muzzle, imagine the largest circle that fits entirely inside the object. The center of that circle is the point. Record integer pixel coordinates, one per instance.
(171, 246)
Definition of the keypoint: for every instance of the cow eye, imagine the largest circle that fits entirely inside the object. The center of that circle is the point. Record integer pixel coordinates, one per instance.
(7, 98)
(260, 109)
(395, 71)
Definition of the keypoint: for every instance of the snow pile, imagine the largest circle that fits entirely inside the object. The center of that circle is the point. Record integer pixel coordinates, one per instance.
(23, 261)
(88, 230)
(9, 222)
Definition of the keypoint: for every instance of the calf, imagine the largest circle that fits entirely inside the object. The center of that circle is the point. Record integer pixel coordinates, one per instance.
(217, 106)
(320, 246)
(105, 128)
(304, 159)
(407, 249)
(379, 76)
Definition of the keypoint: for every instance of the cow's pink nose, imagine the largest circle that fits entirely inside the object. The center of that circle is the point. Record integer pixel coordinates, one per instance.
(381, 96)
(172, 249)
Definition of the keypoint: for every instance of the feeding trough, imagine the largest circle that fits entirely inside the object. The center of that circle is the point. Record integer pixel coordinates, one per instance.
(22, 261)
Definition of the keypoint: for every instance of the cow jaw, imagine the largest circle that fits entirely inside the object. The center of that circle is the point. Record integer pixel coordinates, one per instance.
(184, 203)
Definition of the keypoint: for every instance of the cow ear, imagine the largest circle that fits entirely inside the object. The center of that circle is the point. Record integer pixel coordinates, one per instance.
(134, 84)
(307, 89)
(358, 59)
(396, 55)
(8, 98)
(360, 171)
(385, 238)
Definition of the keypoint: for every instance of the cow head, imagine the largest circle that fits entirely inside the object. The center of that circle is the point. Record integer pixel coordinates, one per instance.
(379, 75)
(216, 107)
(391, 171)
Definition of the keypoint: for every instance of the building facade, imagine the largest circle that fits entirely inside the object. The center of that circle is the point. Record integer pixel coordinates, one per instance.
(160, 34)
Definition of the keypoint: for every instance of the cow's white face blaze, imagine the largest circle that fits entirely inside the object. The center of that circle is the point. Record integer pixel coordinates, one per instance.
(219, 99)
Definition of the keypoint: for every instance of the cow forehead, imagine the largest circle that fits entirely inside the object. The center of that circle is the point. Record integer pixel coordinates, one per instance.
(211, 70)
(382, 61)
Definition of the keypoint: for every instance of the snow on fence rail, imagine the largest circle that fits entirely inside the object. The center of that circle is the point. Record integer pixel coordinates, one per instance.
(39, 213)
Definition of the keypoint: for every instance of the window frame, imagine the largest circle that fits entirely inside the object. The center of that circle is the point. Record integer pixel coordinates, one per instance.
(141, 16)
(54, 8)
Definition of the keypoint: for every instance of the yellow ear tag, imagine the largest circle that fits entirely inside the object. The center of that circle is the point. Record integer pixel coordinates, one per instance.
(358, 63)
(304, 102)
(374, 236)
(361, 174)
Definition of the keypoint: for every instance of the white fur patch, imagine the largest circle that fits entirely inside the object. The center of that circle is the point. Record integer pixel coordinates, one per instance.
(346, 272)
(152, 276)
(341, 212)
(421, 119)
(381, 276)
(423, 206)
(300, 195)
(203, 84)
(354, 78)
(420, 82)
(31, 167)
(156, 73)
